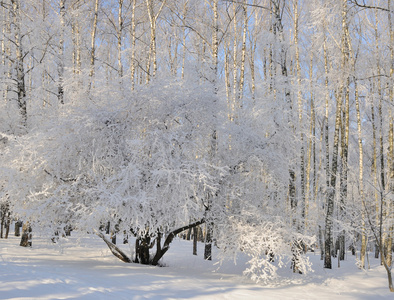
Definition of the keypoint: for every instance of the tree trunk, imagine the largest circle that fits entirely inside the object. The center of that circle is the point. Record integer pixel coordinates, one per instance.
(115, 250)
(375, 172)
(326, 137)
(360, 149)
(214, 142)
(331, 192)
(235, 104)
(60, 65)
(2, 224)
(321, 244)
(26, 239)
(119, 38)
(7, 225)
(311, 150)
(152, 48)
(169, 239)
(142, 249)
(390, 202)
(189, 234)
(67, 230)
(20, 72)
(347, 62)
(18, 225)
(195, 231)
(390, 279)
(93, 42)
(243, 53)
(208, 243)
(300, 111)
(133, 42)
(387, 268)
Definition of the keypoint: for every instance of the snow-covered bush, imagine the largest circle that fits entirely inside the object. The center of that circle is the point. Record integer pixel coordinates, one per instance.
(160, 159)
(141, 164)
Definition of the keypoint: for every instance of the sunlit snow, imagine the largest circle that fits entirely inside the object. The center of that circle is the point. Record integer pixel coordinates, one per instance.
(83, 268)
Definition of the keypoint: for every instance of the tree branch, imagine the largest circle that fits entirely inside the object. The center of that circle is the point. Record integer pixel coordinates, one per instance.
(114, 249)
(170, 238)
(248, 4)
(64, 180)
(355, 2)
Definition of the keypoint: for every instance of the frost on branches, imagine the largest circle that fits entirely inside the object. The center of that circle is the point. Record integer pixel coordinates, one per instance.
(258, 224)
(145, 164)
(269, 245)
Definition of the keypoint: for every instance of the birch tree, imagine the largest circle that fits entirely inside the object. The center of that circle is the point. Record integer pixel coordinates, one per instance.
(153, 16)
(93, 40)
(60, 89)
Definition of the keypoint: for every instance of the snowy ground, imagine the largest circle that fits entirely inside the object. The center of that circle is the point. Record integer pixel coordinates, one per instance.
(83, 268)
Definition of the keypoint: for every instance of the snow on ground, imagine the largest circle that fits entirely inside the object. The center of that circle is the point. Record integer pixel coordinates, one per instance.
(84, 268)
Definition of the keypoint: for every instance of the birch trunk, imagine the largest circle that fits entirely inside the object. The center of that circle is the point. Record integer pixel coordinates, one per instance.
(360, 178)
(235, 104)
(329, 199)
(152, 48)
(93, 41)
(119, 39)
(346, 61)
(331, 190)
(7, 53)
(227, 80)
(19, 63)
(243, 54)
(253, 45)
(299, 103)
(310, 150)
(76, 39)
(382, 168)
(390, 203)
(60, 67)
(4, 53)
(185, 10)
(213, 150)
(375, 172)
(133, 44)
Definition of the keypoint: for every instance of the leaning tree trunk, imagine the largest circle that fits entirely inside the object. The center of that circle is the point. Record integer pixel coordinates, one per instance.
(169, 239)
(114, 249)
